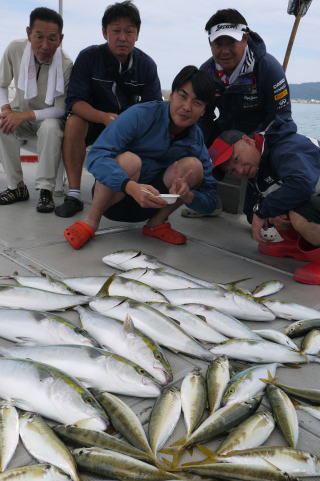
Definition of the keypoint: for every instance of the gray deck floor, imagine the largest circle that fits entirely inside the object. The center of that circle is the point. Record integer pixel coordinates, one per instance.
(218, 249)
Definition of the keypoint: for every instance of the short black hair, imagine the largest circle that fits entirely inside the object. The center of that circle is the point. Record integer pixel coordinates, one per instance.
(46, 15)
(227, 15)
(121, 10)
(202, 83)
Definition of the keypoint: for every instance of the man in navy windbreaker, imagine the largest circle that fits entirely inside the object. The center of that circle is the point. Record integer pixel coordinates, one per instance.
(105, 80)
(150, 149)
(252, 85)
(283, 169)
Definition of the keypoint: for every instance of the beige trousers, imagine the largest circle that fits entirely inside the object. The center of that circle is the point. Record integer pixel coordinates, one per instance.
(49, 133)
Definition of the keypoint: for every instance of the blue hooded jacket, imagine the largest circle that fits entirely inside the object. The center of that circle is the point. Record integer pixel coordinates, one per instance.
(144, 130)
(289, 172)
(253, 100)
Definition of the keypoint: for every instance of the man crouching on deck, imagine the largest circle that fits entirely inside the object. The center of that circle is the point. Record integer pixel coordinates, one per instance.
(152, 148)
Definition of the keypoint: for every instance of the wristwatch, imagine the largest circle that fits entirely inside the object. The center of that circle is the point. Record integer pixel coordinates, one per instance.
(257, 210)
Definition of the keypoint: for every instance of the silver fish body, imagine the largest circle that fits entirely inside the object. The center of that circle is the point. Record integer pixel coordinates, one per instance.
(193, 399)
(125, 421)
(287, 310)
(247, 383)
(50, 392)
(33, 327)
(9, 433)
(276, 336)
(300, 328)
(89, 439)
(218, 377)
(123, 338)
(89, 286)
(227, 325)
(164, 418)
(121, 286)
(251, 433)
(227, 302)
(95, 368)
(294, 462)
(111, 464)
(159, 278)
(130, 259)
(285, 414)
(267, 288)
(311, 343)
(153, 323)
(21, 297)
(39, 472)
(45, 283)
(44, 445)
(190, 323)
(244, 472)
(258, 351)
(222, 420)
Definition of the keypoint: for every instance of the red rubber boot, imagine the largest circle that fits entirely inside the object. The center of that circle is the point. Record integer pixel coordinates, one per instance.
(286, 248)
(309, 273)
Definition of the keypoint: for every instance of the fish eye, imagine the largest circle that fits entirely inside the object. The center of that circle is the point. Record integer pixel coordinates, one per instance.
(141, 371)
(158, 356)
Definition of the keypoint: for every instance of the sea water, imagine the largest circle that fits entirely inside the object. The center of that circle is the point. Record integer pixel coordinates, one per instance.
(307, 118)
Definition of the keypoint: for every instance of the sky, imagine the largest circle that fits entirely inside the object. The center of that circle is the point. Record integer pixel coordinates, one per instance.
(172, 31)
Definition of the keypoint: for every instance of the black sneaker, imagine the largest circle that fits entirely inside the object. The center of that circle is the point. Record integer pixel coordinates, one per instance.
(45, 202)
(10, 196)
(70, 206)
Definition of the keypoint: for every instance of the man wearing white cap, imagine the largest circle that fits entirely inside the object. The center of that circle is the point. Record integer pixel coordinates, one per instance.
(253, 86)
(40, 71)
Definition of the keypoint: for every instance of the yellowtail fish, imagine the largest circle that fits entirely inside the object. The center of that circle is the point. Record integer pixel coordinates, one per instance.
(39, 472)
(284, 413)
(218, 377)
(9, 433)
(44, 445)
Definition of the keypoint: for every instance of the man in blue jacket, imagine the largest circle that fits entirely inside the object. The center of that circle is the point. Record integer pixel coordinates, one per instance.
(152, 148)
(106, 79)
(283, 169)
(252, 84)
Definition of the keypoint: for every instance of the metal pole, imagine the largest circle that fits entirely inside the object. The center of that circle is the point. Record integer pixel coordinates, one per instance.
(61, 7)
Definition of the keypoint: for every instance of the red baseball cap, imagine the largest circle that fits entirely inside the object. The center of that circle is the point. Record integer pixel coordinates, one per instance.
(222, 147)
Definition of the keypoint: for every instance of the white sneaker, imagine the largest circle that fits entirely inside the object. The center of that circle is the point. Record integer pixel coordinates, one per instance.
(194, 214)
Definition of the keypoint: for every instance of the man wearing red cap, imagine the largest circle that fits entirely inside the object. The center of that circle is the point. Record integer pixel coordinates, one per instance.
(251, 83)
(283, 172)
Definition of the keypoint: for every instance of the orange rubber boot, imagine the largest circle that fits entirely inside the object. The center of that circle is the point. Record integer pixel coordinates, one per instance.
(286, 248)
(309, 273)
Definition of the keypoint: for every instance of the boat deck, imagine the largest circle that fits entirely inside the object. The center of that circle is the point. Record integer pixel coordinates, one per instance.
(218, 249)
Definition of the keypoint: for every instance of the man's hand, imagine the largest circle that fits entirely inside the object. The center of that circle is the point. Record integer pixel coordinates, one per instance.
(145, 195)
(281, 222)
(9, 121)
(257, 225)
(181, 186)
(107, 117)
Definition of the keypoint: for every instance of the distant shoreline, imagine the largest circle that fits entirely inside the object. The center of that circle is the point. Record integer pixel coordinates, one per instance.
(303, 101)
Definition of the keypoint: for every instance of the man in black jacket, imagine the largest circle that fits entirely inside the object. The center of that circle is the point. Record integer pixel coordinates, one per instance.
(105, 81)
(252, 84)
(283, 169)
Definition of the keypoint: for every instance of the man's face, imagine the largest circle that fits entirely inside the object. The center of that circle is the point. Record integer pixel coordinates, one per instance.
(121, 36)
(244, 162)
(185, 108)
(228, 52)
(45, 38)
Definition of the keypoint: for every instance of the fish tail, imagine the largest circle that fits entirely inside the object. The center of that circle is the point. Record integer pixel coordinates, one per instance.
(207, 452)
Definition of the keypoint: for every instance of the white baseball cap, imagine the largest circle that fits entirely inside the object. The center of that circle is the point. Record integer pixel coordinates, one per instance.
(228, 30)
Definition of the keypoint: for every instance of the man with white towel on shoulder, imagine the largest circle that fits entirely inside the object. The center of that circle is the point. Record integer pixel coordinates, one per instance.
(40, 71)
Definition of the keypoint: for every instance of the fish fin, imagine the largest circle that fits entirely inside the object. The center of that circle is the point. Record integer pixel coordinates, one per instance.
(270, 379)
(170, 451)
(206, 451)
(180, 442)
(104, 291)
(25, 341)
(165, 462)
(190, 450)
(128, 325)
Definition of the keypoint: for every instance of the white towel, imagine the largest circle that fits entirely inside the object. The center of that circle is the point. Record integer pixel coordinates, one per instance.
(28, 76)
